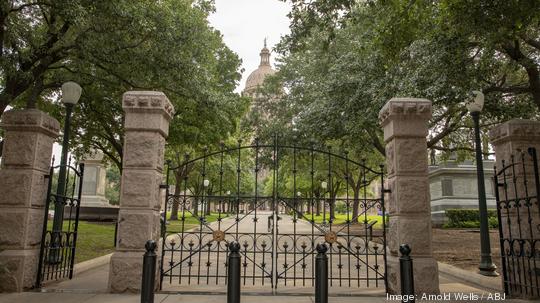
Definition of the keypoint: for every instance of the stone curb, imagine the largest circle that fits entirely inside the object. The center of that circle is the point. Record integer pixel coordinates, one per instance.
(91, 264)
(472, 278)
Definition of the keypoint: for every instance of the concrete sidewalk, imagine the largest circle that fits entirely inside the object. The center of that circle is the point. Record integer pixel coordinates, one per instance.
(164, 298)
(90, 286)
(76, 297)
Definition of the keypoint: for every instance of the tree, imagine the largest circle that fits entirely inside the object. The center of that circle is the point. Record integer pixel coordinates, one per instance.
(42, 40)
(345, 59)
(110, 48)
(112, 189)
(191, 171)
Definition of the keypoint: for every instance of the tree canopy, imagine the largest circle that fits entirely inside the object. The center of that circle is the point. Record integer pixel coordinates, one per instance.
(344, 59)
(112, 47)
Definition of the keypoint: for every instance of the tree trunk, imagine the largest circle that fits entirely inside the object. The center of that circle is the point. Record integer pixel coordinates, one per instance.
(299, 208)
(356, 205)
(2, 108)
(318, 207)
(208, 207)
(332, 209)
(333, 194)
(195, 207)
(176, 199)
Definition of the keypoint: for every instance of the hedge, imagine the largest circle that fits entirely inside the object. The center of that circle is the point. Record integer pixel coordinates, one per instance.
(469, 218)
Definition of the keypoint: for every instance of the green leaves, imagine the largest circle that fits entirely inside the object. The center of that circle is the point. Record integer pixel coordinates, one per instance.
(112, 47)
(341, 63)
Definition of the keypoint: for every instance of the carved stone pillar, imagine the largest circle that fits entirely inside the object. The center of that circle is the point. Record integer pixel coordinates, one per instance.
(26, 158)
(147, 116)
(405, 129)
(518, 203)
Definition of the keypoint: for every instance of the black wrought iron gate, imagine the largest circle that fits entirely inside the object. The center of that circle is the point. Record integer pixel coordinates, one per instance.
(278, 202)
(518, 210)
(58, 242)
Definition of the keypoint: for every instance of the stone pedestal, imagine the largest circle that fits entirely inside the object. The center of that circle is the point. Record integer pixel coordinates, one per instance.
(26, 158)
(94, 181)
(94, 205)
(520, 222)
(147, 116)
(405, 129)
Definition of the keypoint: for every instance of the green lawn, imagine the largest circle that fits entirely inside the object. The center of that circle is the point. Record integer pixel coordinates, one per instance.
(190, 221)
(94, 240)
(97, 239)
(342, 218)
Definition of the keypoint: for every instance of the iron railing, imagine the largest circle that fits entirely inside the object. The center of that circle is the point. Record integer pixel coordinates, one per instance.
(518, 211)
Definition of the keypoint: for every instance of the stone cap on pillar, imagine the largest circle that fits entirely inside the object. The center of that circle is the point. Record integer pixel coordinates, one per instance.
(516, 129)
(150, 111)
(405, 117)
(419, 108)
(30, 120)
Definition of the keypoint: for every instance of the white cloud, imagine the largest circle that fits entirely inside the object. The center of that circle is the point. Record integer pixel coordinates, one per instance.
(244, 25)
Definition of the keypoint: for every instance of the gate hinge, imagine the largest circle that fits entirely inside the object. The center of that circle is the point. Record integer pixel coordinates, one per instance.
(387, 191)
(164, 186)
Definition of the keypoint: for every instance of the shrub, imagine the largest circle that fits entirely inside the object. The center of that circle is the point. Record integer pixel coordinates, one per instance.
(469, 218)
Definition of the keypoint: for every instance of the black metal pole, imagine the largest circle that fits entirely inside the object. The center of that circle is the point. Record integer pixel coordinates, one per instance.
(149, 272)
(115, 231)
(233, 273)
(486, 267)
(59, 203)
(406, 273)
(321, 274)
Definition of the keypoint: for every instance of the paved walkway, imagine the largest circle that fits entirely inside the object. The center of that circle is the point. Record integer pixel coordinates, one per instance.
(293, 262)
(91, 287)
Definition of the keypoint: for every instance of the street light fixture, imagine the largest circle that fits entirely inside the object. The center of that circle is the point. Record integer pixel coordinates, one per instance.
(206, 182)
(229, 208)
(324, 186)
(486, 267)
(71, 92)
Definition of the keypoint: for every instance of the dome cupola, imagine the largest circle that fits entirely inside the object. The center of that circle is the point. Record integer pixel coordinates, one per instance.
(256, 78)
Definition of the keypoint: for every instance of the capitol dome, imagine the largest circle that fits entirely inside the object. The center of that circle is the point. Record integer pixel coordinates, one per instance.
(256, 78)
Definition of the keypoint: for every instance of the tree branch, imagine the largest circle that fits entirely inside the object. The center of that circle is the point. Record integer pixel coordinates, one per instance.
(531, 42)
(449, 128)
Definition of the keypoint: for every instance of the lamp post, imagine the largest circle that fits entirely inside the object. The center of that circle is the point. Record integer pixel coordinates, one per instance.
(229, 209)
(324, 186)
(206, 182)
(486, 267)
(299, 199)
(71, 92)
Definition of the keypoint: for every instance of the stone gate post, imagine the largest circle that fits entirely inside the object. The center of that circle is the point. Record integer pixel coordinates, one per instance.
(520, 221)
(26, 158)
(147, 117)
(404, 121)
(514, 137)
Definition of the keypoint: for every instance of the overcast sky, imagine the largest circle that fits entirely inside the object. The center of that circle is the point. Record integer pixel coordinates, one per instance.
(245, 23)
